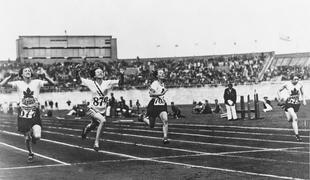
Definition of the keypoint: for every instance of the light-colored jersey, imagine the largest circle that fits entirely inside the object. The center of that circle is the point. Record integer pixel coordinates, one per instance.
(294, 92)
(28, 93)
(157, 88)
(99, 93)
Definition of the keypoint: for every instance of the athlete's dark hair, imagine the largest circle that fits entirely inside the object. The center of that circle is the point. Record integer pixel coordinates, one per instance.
(92, 72)
(20, 73)
(294, 75)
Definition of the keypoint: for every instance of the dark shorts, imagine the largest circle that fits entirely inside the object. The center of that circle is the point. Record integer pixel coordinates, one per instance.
(95, 122)
(26, 121)
(294, 106)
(154, 110)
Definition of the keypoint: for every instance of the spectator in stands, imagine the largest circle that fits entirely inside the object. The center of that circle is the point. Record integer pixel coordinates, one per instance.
(69, 103)
(267, 104)
(125, 110)
(51, 103)
(73, 111)
(138, 106)
(197, 107)
(176, 112)
(182, 72)
(230, 98)
(112, 104)
(206, 108)
(121, 80)
(123, 102)
(217, 107)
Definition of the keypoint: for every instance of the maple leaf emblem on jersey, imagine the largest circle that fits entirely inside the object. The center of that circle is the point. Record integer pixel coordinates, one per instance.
(28, 93)
(294, 92)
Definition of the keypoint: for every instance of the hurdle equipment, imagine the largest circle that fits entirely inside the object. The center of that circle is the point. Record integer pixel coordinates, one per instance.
(304, 123)
(247, 109)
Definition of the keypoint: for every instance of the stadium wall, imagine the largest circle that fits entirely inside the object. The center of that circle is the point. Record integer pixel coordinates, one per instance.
(178, 95)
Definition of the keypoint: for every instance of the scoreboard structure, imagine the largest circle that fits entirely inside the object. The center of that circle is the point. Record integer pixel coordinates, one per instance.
(51, 49)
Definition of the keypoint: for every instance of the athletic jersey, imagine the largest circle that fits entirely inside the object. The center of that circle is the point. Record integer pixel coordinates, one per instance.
(294, 92)
(157, 88)
(28, 93)
(99, 93)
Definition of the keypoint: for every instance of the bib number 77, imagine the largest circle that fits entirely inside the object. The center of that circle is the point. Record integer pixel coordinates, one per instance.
(28, 114)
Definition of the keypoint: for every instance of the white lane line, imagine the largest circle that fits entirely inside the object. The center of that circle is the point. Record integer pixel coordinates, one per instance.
(233, 156)
(183, 141)
(190, 129)
(209, 125)
(73, 164)
(240, 127)
(131, 143)
(32, 167)
(104, 161)
(74, 146)
(220, 137)
(167, 162)
(227, 154)
(226, 170)
(190, 151)
(193, 125)
(204, 125)
(37, 154)
(198, 142)
(275, 149)
(223, 131)
(151, 137)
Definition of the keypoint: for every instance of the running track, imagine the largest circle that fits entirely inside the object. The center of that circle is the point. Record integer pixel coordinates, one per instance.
(133, 151)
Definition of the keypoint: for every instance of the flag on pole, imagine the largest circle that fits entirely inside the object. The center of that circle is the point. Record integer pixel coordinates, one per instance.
(285, 38)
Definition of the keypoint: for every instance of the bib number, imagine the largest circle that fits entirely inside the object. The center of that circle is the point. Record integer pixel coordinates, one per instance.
(99, 101)
(28, 114)
(293, 100)
(159, 102)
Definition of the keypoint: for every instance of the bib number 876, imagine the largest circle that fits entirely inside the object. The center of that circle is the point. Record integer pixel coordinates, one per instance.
(98, 101)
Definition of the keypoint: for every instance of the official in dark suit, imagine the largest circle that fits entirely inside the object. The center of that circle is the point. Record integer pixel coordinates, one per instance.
(230, 98)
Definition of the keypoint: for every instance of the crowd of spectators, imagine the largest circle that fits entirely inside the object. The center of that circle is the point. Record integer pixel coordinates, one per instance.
(180, 72)
(285, 72)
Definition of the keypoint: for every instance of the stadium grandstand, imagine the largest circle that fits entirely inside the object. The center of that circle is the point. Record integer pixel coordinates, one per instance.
(60, 54)
(191, 71)
(283, 65)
